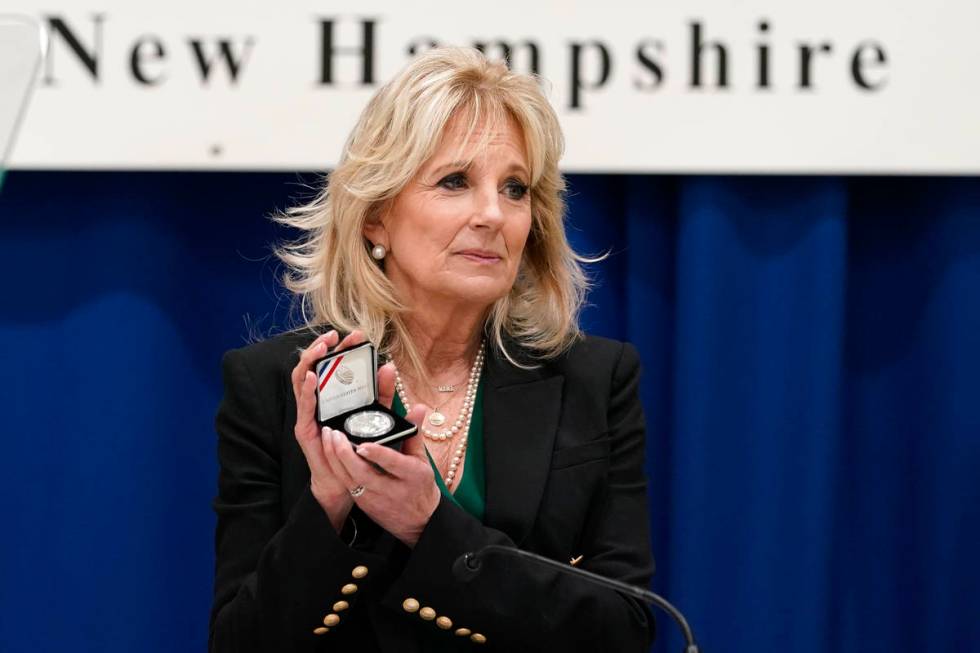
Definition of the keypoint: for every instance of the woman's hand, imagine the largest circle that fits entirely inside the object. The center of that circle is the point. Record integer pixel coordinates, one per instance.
(330, 491)
(400, 497)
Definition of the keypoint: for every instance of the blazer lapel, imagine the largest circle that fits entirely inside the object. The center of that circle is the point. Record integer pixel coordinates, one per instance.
(520, 412)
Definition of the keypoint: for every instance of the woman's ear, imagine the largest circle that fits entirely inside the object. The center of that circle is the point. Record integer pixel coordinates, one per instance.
(375, 232)
(374, 226)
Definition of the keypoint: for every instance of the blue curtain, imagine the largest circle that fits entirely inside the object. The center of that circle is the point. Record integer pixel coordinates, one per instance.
(811, 350)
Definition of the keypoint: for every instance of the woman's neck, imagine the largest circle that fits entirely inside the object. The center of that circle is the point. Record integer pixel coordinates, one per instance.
(445, 340)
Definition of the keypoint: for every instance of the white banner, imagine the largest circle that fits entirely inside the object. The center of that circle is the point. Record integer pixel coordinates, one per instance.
(874, 86)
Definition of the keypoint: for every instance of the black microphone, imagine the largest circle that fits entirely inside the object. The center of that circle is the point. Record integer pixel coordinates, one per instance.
(467, 567)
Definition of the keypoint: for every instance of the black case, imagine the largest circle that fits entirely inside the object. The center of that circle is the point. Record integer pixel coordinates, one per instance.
(343, 390)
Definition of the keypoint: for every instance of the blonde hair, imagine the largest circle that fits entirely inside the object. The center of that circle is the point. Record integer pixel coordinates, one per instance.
(329, 267)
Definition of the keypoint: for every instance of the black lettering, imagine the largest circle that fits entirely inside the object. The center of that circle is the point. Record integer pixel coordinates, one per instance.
(506, 50)
(578, 85)
(57, 26)
(328, 51)
(225, 53)
(806, 60)
(763, 58)
(138, 59)
(859, 62)
(647, 61)
(697, 49)
(421, 44)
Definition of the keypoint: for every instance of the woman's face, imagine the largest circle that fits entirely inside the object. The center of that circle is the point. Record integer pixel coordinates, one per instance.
(457, 231)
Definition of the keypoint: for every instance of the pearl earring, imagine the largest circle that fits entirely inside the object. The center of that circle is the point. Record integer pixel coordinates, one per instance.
(378, 252)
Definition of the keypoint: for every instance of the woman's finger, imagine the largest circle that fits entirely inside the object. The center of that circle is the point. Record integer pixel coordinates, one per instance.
(358, 470)
(399, 465)
(305, 362)
(305, 398)
(415, 445)
(415, 448)
(386, 384)
(306, 401)
(313, 452)
(304, 385)
(315, 350)
(417, 414)
(353, 338)
(329, 446)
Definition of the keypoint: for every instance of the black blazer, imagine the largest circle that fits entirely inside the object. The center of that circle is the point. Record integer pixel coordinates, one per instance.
(564, 478)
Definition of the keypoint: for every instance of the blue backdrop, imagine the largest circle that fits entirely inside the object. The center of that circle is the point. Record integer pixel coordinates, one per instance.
(811, 352)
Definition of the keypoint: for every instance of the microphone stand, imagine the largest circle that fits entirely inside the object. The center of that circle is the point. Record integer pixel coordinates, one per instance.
(472, 561)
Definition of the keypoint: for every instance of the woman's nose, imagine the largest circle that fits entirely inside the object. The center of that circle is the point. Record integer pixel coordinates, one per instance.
(489, 212)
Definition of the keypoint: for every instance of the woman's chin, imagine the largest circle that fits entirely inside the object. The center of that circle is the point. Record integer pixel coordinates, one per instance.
(478, 290)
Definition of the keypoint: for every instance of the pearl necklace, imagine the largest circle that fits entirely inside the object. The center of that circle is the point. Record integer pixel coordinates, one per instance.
(462, 424)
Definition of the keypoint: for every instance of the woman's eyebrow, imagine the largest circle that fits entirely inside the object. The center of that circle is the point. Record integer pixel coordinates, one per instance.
(466, 165)
(453, 164)
(518, 167)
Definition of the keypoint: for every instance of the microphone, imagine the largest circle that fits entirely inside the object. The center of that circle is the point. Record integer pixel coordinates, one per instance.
(467, 567)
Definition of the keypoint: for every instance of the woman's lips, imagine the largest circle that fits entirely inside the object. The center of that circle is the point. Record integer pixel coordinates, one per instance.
(480, 256)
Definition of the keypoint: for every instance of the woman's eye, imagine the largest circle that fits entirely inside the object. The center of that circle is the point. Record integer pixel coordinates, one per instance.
(515, 190)
(455, 181)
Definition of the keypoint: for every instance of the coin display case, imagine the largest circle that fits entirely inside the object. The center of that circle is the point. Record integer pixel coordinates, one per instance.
(347, 398)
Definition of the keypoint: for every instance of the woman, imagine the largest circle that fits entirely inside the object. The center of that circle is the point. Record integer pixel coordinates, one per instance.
(439, 238)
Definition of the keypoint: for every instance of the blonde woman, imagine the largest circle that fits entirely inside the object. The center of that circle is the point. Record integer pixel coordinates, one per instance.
(439, 238)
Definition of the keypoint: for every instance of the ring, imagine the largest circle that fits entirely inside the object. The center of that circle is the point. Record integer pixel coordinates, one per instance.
(357, 491)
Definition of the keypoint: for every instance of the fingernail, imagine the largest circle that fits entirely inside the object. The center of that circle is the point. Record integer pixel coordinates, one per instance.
(324, 432)
(336, 436)
(320, 346)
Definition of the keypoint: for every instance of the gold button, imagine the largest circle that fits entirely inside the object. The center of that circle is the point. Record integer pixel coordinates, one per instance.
(321, 630)
(360, 571)
(463, 632)
(349, 588)
(331, 620)
(444, 622)
(427, 613)
(410, 605)
(340, 606)
(477, 638)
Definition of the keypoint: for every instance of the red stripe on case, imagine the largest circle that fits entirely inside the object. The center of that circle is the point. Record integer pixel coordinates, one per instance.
(326, 377)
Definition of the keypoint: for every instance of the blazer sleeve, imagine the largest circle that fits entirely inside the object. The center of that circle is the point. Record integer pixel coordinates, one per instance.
(276, 576)
(515, 605)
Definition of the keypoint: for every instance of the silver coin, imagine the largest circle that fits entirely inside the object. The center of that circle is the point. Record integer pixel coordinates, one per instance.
(369, 424)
